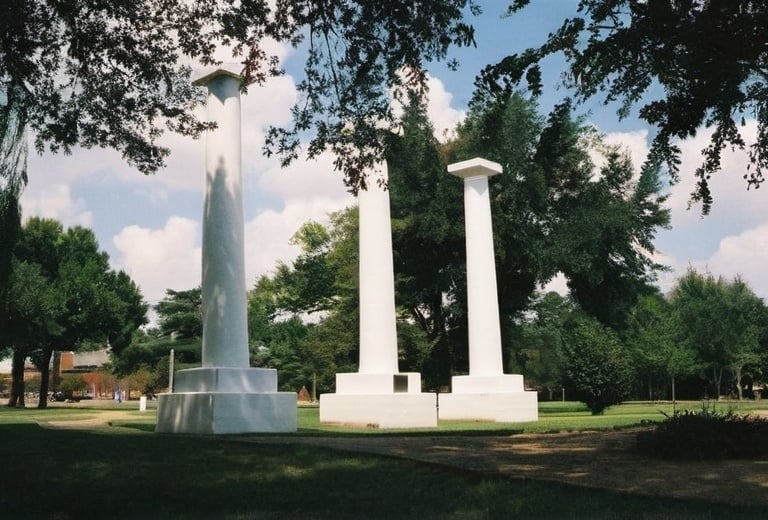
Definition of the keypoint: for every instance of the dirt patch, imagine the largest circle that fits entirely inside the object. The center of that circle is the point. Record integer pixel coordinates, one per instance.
(100, 420)
(604, 460)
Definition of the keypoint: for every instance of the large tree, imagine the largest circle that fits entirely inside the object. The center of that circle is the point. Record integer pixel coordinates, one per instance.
(686, 64)
(555, 210)
(723, 321)
(659, 346)
(65, 296)
(115, 74)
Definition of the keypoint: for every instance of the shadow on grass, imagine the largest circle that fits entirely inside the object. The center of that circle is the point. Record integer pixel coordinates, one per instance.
(73, 474)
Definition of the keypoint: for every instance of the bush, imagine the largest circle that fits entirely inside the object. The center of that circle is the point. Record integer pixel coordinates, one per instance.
(706, 434)
(597, 366)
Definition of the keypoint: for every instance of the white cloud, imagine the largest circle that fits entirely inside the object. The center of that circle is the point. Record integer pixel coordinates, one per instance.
(160, 259)
(444, 117)
(745, 255)
(310, 190)
(55, 201)
(636, 143)
(734, 206)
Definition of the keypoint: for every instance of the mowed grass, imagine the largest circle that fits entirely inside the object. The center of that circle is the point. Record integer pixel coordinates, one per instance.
(129, 473)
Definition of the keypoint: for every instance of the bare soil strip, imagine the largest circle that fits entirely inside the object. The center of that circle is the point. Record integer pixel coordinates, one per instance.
(605, 460)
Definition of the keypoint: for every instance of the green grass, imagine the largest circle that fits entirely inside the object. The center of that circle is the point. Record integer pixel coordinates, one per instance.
(118, 473)
(126, 473)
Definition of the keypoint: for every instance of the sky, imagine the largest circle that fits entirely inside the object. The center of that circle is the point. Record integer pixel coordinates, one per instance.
(151, 226)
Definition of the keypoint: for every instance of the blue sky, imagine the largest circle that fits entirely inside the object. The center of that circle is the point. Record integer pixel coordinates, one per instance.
(151, 226)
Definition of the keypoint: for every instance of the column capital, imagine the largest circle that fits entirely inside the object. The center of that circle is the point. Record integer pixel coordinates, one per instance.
(476, 167)
(202, 77)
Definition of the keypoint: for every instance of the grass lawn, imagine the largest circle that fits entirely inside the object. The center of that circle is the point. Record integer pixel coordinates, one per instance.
(128, 473)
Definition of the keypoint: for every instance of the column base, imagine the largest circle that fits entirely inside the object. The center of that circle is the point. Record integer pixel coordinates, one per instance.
(489, 398)
(226, 400)
(379, 401)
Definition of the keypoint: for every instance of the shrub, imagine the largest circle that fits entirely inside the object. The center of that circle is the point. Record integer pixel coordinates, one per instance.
(597, 366)
(706, 434)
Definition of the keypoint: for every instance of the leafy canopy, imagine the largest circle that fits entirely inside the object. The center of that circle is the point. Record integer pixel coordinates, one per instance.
(710, 59)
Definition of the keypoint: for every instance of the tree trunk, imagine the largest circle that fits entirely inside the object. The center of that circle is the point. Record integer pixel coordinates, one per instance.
(45, 373)
(718, 376)
(673, 394)
(17, 380)
(738, 371)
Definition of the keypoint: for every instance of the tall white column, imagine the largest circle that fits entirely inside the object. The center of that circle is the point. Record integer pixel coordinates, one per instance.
(487, 393)
(225, 321)
(225, 395)
(482, 300)
(378, 332)
(378, 393)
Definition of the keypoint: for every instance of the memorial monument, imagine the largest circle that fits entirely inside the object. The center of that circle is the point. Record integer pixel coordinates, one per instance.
(225, 395)
(378, 395)
(487, 393)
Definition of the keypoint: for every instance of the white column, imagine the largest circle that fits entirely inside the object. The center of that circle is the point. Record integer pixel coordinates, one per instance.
(378, 332)
(482, 300)
(225, 322)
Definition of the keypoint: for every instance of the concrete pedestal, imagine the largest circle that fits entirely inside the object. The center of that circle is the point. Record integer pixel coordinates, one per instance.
(226, 400)
(489, 398)
(379, 401)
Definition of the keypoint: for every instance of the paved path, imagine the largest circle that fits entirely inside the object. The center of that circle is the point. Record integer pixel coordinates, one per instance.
(594, 459)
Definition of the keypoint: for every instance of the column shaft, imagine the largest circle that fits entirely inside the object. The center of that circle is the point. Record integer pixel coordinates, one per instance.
(225, 323)
(482, 300)
(378, 332)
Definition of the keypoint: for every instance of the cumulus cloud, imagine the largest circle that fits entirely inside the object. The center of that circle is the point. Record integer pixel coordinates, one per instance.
(745, 255)
(159, 259)
(55, 201)
(309, 190)
(443, 116)
(733, 239)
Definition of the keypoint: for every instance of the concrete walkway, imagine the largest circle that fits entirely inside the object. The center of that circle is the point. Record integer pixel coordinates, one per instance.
(603, 460)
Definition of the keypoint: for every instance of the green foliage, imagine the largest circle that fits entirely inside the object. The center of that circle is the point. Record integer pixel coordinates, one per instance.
(181, 314)
(72, 383)
(64, 295)
(597, 365)
(656, 338)
(722, 321)
(554, 211)
(538, 352)
(706, 434)
(704, 56)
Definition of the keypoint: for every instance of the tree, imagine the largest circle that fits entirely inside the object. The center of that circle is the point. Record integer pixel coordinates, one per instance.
(112, 75)
(181, 314)
(597, 365)
(709, 58)
(428, 242)
(180, 327)
(658, 344)
(555, 211)
(722, 320)
(65, 296)
(538, 352)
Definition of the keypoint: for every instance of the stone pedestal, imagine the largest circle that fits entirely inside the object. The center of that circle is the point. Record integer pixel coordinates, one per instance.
(226, 400)
(378, 395)
(486, 393)
(500, 398)
(225, 396)
(379, 401)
